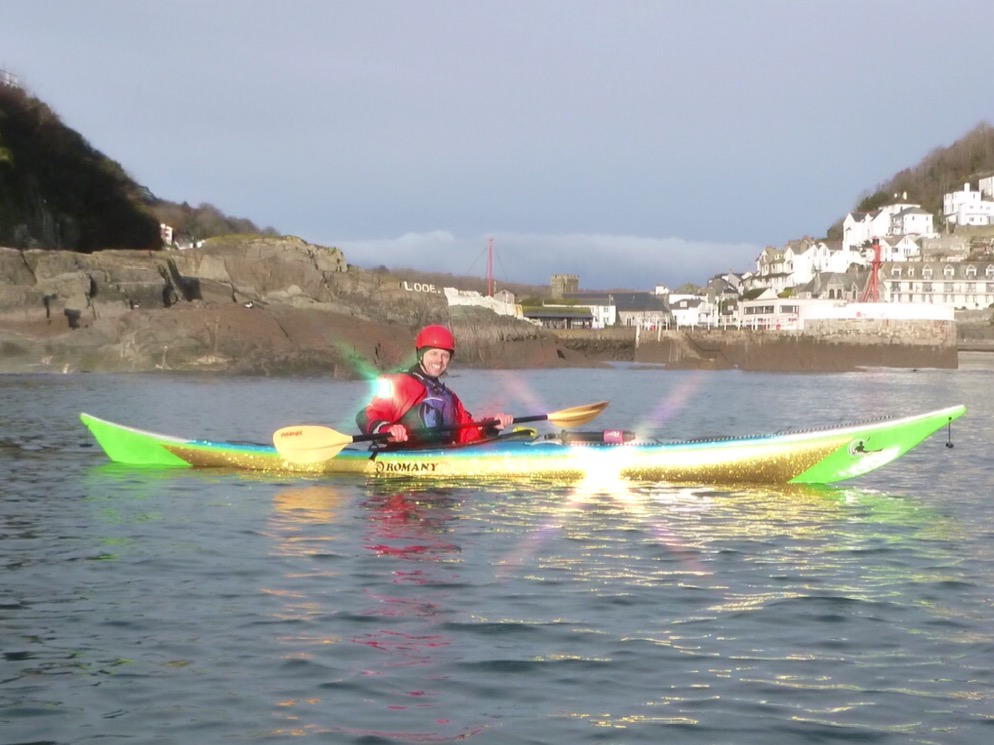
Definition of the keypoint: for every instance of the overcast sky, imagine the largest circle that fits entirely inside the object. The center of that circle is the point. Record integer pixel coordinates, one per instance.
(632, 143)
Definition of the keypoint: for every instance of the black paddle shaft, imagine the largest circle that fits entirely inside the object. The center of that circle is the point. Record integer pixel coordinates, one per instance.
(450, 427)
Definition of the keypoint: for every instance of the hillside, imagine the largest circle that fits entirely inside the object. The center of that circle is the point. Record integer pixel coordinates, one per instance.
(58, 192)
(943, 170)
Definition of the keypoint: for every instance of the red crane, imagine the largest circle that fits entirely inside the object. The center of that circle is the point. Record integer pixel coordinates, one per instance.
(872, 292)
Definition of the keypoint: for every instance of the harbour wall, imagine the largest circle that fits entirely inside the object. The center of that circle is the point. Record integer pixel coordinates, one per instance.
(824, 346)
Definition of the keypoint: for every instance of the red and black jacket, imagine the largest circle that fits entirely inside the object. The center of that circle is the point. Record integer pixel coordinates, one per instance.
(421, 403)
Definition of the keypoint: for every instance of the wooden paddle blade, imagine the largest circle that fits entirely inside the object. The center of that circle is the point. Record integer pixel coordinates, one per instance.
(577, 415)
(309, 443)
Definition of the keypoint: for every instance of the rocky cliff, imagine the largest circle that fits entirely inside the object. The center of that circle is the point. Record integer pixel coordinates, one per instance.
(244, 304)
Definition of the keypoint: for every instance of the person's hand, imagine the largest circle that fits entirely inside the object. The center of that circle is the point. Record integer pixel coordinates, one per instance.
(397, 432)
(502, 420)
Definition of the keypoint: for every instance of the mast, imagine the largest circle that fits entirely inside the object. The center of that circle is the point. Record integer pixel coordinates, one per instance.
(490, 267)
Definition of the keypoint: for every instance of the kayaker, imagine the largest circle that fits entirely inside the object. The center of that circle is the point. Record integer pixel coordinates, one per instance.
(409, 405)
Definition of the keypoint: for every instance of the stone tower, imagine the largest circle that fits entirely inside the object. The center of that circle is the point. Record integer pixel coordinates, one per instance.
(563, 284)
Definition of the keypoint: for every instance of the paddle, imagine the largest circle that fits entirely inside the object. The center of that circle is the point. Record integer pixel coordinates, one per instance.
(312, 443)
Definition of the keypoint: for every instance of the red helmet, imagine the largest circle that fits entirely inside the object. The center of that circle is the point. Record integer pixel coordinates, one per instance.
(436, 337)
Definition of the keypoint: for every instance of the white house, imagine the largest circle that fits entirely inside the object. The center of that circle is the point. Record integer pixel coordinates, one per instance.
(692, 310)
(912, 221)
(859, 228)
(967, 207)
(855, 230)
(803, 258)
(900, 218)
(899, 248)
(771, 270)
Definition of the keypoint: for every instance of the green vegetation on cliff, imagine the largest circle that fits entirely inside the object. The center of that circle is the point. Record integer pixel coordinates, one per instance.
(943, 170)
(58, 192)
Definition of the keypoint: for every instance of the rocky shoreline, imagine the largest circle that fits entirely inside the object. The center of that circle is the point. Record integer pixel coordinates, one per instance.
(242, 305)
(255, 305)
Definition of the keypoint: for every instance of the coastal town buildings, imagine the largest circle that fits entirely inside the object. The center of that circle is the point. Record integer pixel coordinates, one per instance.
(642, 309)
(897, 219)
(602, 306)
(915, 266)
(563, 317)
(914, 272)
(960, 284)
(800, 261)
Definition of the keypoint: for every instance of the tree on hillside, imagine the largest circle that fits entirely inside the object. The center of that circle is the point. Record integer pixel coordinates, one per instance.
(58, 191)
(203, 221)
(943, 170)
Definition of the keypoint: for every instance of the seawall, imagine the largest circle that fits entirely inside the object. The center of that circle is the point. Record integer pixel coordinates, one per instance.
(825, 346)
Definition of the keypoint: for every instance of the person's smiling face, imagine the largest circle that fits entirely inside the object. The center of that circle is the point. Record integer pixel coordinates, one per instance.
(435, 361)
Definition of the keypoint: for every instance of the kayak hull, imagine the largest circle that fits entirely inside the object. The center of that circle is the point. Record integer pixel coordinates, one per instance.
(805, 457)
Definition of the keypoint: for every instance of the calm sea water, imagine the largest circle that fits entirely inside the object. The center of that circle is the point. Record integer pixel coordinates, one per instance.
(150, 606)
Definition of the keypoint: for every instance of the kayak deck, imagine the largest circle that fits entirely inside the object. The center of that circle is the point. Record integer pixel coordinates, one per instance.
(801, 457)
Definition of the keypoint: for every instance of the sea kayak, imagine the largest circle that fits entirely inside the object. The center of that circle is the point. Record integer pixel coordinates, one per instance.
(821, 456)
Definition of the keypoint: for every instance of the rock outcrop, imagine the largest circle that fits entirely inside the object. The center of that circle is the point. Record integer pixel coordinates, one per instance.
(244, 304)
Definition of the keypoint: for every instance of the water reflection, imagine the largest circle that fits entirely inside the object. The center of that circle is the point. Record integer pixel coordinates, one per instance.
(810, 534)
(297, 510)
(411, 524)
(728, 583)
(408, 568)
